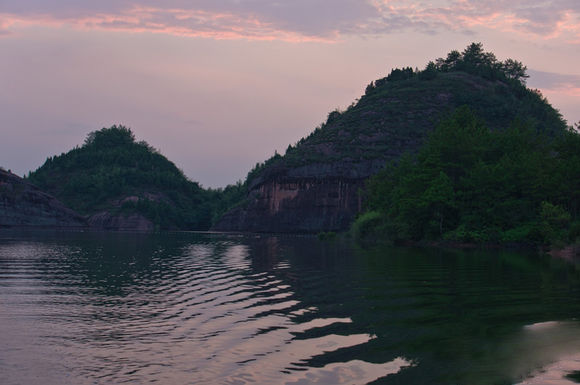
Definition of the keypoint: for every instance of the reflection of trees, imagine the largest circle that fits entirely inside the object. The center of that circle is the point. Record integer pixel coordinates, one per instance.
(229, 300)
(451, 311)
(269, 297)
(110, 263)
(454, 311)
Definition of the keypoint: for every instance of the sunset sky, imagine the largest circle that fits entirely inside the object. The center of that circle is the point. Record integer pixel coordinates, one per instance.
(218, 85)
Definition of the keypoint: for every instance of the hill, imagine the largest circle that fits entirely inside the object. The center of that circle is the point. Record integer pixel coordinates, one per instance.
(24, 205)
(316, 185)
(122, 184)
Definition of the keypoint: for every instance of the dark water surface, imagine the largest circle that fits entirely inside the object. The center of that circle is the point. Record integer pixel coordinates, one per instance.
(215, 309)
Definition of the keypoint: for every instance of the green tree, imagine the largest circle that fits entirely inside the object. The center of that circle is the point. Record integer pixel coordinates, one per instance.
(469, 183)
(555, 221)
(474, 55)
(516, 70)
(439, 200)
(452, 61)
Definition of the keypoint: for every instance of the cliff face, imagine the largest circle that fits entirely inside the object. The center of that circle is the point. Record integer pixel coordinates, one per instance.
(24, 205)
(307, 199)
(120, 222)
(287, 204)
(316, 186)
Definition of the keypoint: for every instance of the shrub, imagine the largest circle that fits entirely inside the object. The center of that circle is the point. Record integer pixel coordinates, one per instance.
(367, 226)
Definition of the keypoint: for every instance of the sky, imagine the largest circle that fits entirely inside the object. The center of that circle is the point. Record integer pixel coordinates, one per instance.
(219, 85)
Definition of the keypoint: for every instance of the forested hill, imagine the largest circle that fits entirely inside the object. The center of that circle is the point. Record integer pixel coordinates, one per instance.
(123, 184)
(396, 111)
(394, 116)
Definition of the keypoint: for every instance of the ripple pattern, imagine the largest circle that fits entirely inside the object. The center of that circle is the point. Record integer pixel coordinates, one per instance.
(195, 312)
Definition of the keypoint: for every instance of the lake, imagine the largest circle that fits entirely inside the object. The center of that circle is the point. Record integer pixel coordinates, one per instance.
(191, 308)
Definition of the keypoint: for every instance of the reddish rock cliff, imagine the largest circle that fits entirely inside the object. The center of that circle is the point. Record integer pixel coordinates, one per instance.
(301, 200)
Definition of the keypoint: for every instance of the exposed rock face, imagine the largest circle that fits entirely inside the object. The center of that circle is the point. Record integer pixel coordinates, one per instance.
(308, 199)
(121, 222)
(114, 220)
(24, 205)
(290, 204)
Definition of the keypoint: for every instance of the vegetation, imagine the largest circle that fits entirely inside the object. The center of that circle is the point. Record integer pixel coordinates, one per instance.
(473, 60)
(397, 111)
(472, 184)
(502, 168)
(112, 172)
(326, 235)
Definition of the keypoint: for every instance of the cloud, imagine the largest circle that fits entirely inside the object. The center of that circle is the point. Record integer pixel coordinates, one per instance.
(302, 20)
(551, 80)
(297, 20)
(555, 82)
(531, 18)
(545, 19)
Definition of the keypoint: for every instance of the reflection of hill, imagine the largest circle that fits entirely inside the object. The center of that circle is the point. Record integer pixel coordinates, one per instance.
(457, 314)
(221, 309)
(224, 308)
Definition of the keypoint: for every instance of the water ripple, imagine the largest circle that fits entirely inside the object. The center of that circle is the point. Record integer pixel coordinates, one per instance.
(195, 314)
(218, 309)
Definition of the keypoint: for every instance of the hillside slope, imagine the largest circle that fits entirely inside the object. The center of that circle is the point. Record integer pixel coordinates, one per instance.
(316, 185)
(24, 205)
(121, 184)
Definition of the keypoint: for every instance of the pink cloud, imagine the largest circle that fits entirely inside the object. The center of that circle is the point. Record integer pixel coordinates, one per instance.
(178, 22)
(556, 86)
(530, 18)
(305, 20)
(568, 90)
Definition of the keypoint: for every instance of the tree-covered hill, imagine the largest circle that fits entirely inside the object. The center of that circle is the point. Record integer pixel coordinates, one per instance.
(397, 111)
(316, 185)
(319, 183)
(122, 183)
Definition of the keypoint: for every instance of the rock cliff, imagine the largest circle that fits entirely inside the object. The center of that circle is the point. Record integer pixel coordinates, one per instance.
(305, 199)
(121, 222)
(24, 205)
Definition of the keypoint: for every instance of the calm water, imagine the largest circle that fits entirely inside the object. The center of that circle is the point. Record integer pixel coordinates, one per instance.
(215, 309)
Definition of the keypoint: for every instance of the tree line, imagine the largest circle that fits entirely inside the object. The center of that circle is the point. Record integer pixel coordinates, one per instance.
(472, 184)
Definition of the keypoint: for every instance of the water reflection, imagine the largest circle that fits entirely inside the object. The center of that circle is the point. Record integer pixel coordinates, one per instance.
(546, 353)
(173, 308)
(202, 308)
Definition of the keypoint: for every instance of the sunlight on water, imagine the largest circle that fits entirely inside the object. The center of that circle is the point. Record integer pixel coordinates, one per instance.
(353, 372)
(549, 352)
